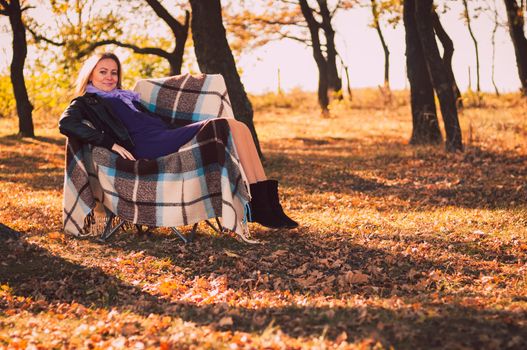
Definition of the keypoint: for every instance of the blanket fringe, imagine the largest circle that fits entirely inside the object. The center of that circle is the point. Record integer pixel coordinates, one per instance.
(245, 235)
(95, 221)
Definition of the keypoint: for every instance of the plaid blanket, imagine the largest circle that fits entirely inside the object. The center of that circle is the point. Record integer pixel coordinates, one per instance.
(204, 179)
(186, 98)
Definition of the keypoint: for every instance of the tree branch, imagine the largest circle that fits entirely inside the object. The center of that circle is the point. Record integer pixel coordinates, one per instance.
(283, 23)
(141, 50)
(4, 12)
(162, 13)
(336, 8)
(38, 38)
(307, 42)
(5, 4)
(290, 2)
(187, 20)
(27, 8)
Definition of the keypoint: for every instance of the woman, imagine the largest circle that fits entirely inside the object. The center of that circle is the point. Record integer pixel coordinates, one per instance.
(122, 124)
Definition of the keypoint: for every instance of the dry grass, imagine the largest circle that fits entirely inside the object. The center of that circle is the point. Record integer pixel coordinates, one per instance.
(399, 246)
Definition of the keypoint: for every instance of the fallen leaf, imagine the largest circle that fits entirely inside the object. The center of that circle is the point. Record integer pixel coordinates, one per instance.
(57, 236)
(231, 254)
(356, 277)
(226, 321)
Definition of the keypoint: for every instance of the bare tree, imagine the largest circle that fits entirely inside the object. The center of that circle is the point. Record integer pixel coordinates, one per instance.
(322, 64)
(466, 15)
(493, 41)
(14, 10)
(424, 115)
(334, 80)
(307, 22)
(376, 25)
(438, 74)
(448, 53)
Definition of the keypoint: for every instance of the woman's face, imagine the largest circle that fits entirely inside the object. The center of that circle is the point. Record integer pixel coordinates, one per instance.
(105, 75)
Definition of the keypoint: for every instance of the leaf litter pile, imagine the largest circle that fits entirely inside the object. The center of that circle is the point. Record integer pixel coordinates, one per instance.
(399, 246)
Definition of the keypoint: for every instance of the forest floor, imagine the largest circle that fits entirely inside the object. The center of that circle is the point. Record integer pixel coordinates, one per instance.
(398, 246)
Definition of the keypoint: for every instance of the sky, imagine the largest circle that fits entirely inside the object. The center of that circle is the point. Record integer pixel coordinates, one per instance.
(360, 47)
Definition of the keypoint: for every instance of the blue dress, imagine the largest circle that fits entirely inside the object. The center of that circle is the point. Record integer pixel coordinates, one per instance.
(151, 136)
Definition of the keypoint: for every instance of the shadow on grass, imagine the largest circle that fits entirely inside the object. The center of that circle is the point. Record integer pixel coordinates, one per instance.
(423, 176)
(32, 170)
(32, 271)
(11, 140)
(300, 263)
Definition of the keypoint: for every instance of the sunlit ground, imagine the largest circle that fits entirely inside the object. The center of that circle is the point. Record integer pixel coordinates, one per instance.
(398, 246)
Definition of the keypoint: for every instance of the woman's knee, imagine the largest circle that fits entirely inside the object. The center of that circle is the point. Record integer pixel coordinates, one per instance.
(238, 125)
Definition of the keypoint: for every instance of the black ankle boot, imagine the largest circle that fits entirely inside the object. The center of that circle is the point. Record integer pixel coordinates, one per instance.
(274, 201)
(261, 210)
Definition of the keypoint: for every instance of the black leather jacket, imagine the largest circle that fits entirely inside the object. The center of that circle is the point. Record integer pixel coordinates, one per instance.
(107, 128)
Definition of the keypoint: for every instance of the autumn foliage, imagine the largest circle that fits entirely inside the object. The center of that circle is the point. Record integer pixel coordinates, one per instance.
(399, 246)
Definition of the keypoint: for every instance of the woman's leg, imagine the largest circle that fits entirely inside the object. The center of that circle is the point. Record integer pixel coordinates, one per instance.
(265, 203)
(247, 152)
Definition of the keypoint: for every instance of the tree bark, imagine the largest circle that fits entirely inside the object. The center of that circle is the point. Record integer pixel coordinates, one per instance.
(334, 80)
(215, 57)
(323, 83)
(448, 53)
(424, 116)
(23, 105)
(516, 23)
(438, 75)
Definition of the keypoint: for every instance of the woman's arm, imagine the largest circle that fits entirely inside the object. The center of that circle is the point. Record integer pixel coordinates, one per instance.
(71, 124)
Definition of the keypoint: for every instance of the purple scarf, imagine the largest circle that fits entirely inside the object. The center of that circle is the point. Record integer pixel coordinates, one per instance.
(126, 96)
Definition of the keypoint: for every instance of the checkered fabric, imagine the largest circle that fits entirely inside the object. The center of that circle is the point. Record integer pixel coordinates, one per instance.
(186, 97)
(204, 179)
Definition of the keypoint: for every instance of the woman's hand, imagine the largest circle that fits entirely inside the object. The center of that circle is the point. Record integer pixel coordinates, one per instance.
(123, 152)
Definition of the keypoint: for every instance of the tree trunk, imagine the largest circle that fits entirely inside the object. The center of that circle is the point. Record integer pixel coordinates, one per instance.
(348, 83)
(516, 23)
(438, 74)
(467, 17)
(215, 57)
(323, 83)
(334, 80)
(23, 106)
(424, 116)
(377, 26)
(180, 31)
(448, 48)
(176, 58)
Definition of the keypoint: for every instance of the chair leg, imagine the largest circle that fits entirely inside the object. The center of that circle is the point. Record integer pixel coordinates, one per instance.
(190, 237)
(186, 239)
(141, 231)
(218, 229)
(108, 229)
(220, 226)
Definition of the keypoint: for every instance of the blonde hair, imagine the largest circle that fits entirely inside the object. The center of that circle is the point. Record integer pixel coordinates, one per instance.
(87, 70)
